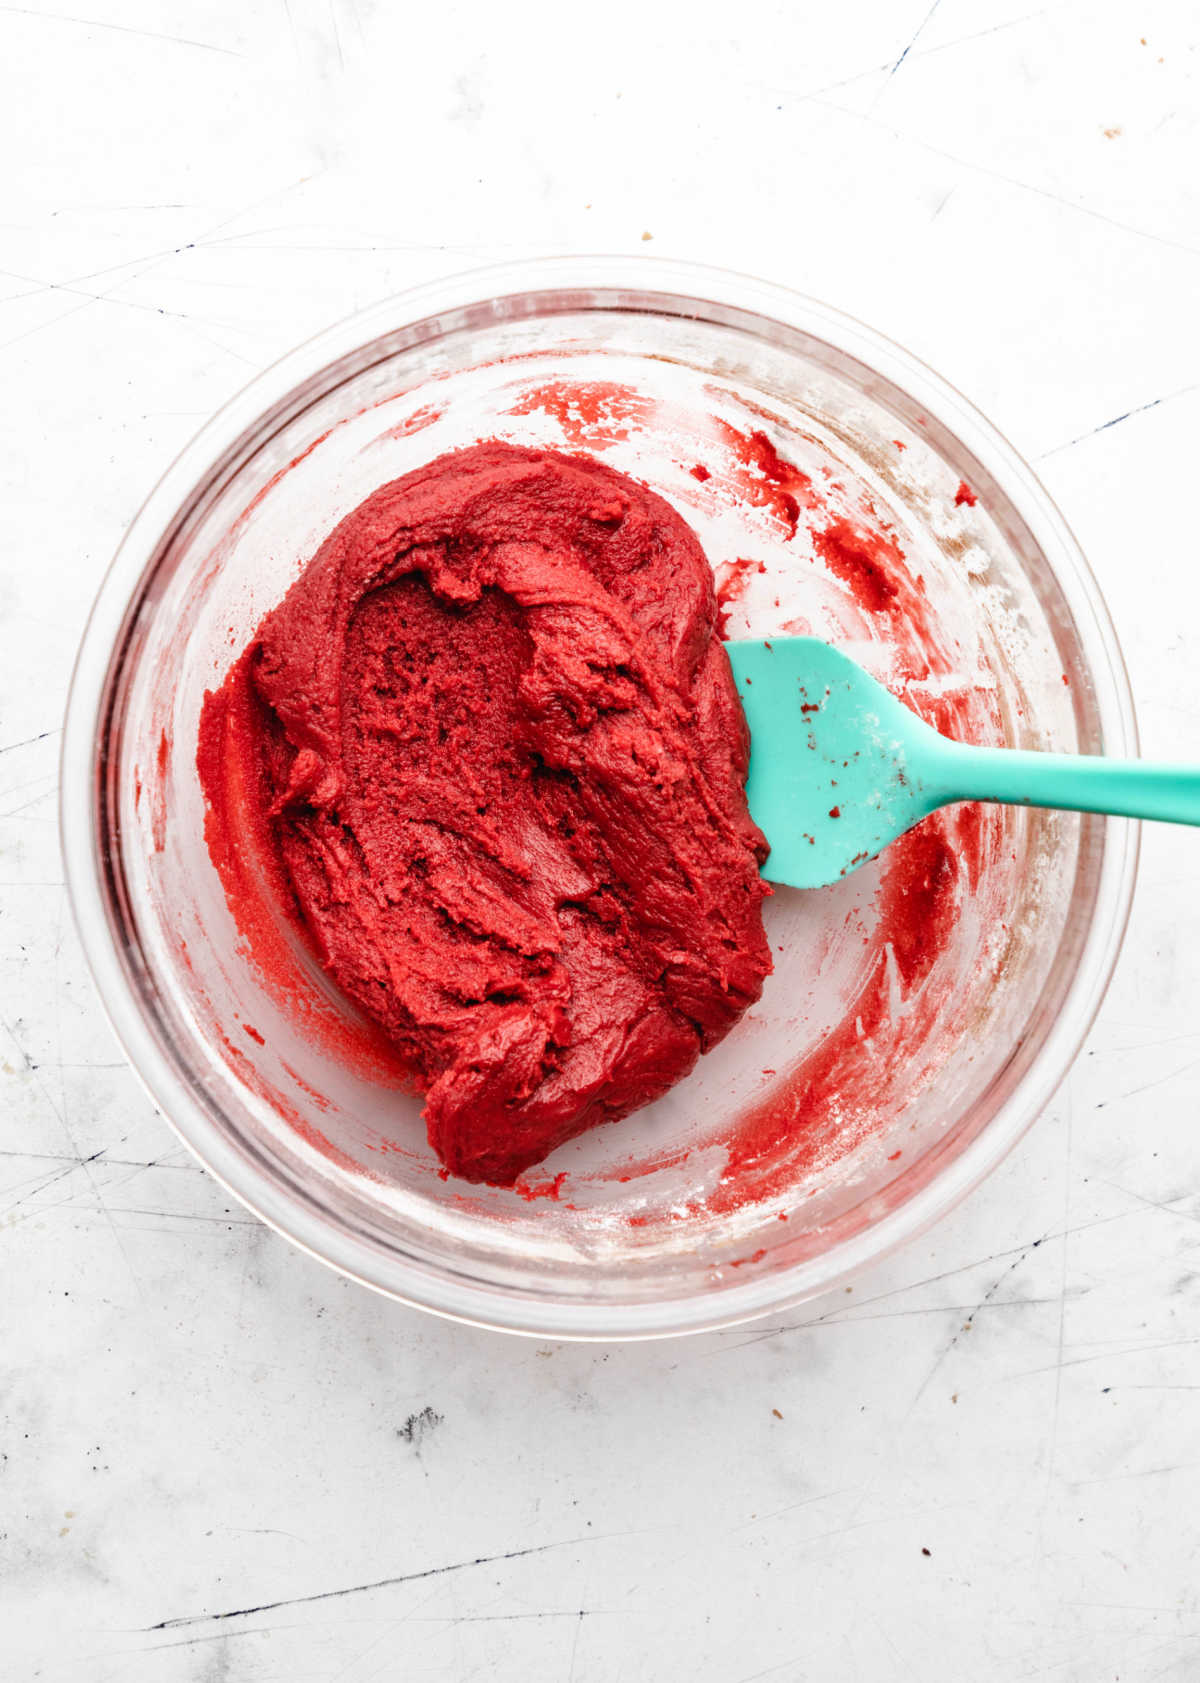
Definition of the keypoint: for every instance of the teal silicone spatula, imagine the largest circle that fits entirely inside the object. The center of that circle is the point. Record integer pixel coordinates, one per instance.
(839, 767)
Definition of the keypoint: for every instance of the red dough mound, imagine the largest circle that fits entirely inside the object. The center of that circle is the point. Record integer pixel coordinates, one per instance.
(489, 750)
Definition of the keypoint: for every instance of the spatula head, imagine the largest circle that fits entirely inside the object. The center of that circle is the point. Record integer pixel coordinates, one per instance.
(838, 767)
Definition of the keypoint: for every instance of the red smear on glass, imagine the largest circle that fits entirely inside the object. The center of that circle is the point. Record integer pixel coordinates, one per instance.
(590, 413)
(862, 559)
(530, 1189)
(765, 479)
(732, 579)
(777, 1140)
(158, 814)
(416, 422)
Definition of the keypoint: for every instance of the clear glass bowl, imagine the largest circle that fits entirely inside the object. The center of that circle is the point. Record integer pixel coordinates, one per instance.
(621, 1237)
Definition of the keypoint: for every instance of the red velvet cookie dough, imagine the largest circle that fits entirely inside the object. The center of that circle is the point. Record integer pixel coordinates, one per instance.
(489, 752)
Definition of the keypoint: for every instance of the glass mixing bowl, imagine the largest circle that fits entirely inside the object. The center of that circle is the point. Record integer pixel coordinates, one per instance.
(288, 1098)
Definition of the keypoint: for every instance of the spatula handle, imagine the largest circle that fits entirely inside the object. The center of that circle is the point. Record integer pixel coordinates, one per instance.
(1082, 783)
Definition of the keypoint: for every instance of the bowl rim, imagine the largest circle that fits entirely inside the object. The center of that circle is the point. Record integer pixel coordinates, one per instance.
(404, 1279)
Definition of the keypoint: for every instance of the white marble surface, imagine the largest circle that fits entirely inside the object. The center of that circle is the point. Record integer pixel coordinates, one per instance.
(220, 1462)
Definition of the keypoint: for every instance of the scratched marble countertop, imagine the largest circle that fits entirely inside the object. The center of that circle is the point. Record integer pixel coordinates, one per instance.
(219, 1461)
